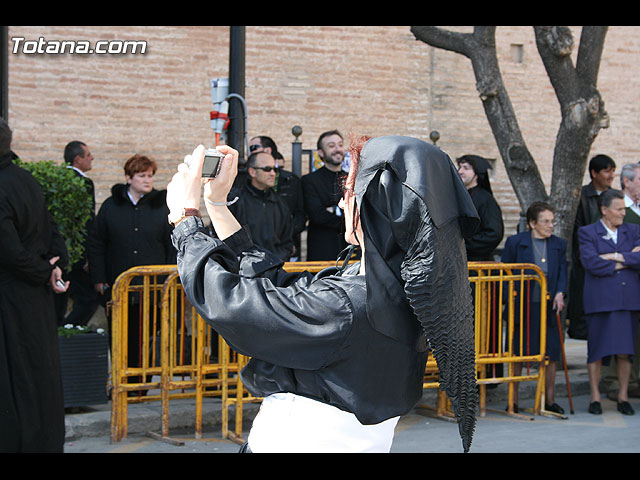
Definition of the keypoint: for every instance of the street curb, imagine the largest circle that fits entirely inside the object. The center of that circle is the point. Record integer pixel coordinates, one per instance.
(146, 417)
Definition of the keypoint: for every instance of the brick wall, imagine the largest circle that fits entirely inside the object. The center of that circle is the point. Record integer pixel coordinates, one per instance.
(368, 79)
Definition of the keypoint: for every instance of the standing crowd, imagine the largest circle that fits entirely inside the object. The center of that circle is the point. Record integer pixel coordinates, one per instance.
(600, 290)
(274, 208)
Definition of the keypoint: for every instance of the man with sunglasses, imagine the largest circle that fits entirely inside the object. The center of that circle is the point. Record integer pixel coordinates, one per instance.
(288, 187)
(261, 210)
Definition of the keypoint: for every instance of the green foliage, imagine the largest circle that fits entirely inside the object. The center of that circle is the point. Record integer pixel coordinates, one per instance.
(67, 200)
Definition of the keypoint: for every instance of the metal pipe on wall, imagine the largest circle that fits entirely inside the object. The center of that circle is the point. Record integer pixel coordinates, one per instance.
(236, 131)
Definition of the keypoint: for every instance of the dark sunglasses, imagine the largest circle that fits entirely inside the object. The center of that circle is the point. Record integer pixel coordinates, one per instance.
(253, 148)
(266, 169)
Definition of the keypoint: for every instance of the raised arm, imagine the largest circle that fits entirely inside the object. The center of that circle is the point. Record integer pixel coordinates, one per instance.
(241, 291)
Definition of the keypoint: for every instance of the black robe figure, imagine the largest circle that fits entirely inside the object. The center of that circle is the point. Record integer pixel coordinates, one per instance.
(31, 395)
(482, 244)
(349, 342)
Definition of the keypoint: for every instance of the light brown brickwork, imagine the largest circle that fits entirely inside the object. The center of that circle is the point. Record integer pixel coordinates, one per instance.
(369, 79)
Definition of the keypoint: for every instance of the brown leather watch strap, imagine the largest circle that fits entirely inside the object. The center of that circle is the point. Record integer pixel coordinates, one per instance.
(186, 212)
(191, 212)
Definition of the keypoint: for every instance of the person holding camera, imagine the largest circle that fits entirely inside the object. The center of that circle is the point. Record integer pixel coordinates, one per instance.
(340, 355)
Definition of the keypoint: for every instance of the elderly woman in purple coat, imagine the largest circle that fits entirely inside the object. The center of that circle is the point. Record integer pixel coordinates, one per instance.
(610, 253)
(538, 245)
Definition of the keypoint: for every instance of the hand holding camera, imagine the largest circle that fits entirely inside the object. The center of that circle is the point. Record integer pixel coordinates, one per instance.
(216, 168)
(211, 164)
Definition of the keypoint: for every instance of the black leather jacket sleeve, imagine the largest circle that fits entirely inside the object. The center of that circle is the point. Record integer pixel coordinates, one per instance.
(290, 320)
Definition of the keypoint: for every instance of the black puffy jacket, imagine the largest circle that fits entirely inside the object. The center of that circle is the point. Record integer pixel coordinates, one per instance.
(125, 235)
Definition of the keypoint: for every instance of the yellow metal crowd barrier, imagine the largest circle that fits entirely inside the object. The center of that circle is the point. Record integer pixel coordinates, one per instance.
(497, 308)
(141, 287)
(500, 303)
(175, 345)
(191, 361)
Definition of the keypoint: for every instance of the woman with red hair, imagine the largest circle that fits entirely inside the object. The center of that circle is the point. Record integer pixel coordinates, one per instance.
(130, 229)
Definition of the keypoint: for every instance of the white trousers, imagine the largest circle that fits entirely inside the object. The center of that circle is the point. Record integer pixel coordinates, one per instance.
(288, 423)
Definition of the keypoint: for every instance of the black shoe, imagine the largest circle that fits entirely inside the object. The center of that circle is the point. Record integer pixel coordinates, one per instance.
(625, 408)
(595, 408)
(555, 408)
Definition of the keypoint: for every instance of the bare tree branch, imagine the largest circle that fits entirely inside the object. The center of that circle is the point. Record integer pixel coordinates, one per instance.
(485, 35)
(590, 53)
(583, 113)
(480, 48)
(445, 39)
(554, 46)
(581, 106)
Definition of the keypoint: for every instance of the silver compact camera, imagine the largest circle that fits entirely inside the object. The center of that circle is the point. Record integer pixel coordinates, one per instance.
(212, 162)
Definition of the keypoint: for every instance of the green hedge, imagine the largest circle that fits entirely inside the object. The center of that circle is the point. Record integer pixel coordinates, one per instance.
(67, 200)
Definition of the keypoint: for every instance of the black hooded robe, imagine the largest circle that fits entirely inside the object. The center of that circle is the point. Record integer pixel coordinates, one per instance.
(31, 394)
(357, 344)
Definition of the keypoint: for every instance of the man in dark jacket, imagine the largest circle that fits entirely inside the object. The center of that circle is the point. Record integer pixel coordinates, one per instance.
(261, 211)
(78, 157)
(322, 193)
(473, 172)
(31, 254)
(288, 186)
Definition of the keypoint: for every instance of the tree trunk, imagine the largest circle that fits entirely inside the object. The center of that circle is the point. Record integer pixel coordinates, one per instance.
(582, 109)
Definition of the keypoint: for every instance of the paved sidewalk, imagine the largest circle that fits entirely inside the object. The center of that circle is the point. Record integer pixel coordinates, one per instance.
(418, 431)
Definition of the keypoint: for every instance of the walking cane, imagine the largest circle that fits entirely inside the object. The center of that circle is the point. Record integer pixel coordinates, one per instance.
(564, 360)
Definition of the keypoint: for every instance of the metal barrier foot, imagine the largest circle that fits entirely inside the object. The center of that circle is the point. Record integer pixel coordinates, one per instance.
(172, 441)
(235, 438)
(548, 413)
(431, 412)
(512, 413)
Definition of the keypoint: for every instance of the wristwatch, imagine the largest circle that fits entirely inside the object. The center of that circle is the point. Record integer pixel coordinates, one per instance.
(186, 212)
